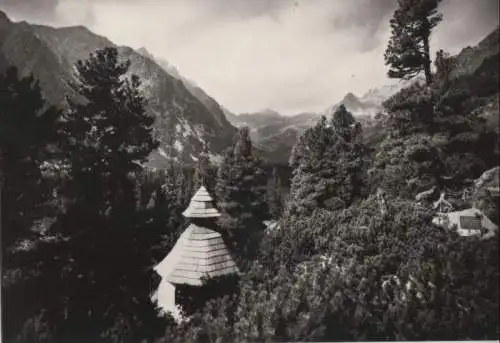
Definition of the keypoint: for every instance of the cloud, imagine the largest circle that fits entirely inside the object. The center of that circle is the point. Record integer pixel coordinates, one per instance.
(465, 23)
(73, 13)
(30, 10)
(289, 55)
(285, 55)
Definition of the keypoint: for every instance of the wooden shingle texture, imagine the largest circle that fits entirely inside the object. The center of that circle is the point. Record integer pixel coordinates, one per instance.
(199, 253)
(201, 206)
(470, 223)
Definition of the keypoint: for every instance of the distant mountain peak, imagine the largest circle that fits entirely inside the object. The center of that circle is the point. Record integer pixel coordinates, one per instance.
(350, 97)
(371, 102)
(471, 58)
(352, 102)
(491, 39)
(269, 112)
(76, 28)
(186, 119)
(144, 52)
(4, 17)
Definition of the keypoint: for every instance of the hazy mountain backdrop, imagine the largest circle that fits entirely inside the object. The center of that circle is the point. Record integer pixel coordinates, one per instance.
(186, 117)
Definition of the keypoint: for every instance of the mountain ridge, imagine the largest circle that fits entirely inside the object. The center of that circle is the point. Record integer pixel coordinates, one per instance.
(269, 124)
(476, 65)
(183, 123)
(210, 103)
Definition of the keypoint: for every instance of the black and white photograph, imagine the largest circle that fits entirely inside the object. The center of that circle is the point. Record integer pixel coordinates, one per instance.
(184, 171)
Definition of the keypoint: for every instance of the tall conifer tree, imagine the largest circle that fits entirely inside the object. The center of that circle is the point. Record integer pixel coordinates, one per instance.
(407, 53)
(106, 289)
(241, 194)
(205, 172)
(28, 138)
(328, 164)
(274, 195)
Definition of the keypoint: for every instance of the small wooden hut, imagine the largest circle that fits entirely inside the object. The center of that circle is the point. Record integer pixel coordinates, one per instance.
(468, 222)
(199, 255)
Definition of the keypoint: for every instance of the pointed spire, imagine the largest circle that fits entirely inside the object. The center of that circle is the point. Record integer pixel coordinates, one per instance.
(200, 252)
(152, 200)
(201, 205)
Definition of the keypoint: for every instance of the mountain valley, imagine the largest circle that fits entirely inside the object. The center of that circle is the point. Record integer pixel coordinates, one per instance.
(187, 119)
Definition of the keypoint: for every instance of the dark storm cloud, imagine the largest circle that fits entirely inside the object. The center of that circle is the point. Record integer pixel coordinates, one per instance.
(289, 55)
(368, 18)
(369, 14)
(465, 20)
(30, 10)
(244, 9)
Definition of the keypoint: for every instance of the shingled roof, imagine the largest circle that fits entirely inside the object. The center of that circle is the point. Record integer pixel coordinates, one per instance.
(201, 206)
(471, 223)
(199, 252)
(468, 222)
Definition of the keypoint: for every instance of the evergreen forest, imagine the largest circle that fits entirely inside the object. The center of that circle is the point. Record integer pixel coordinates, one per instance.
(340, 244)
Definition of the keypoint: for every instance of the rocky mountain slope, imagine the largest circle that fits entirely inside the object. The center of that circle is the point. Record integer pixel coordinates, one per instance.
(370, 103)
(268, 123)
(476, 70)
(470, 59)
(275, 134)
(186, 118)
(210, 103)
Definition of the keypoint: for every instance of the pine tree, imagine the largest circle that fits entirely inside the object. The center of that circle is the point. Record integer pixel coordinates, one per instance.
(241, 193)
(444, 64)
(328, 164)
(435, 137)
(171, 199)
(28, 138)
(205, 173)
(407, 53)
(411, 111)
(184, 188)
(109, 134)
(274, 195)
(170, 184)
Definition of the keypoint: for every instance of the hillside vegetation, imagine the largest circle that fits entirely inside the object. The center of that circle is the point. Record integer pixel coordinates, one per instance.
(186, 118)
(353, 252)
(475, 70)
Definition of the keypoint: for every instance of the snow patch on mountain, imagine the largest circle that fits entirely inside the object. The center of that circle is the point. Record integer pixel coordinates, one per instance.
(162, 153)
(376, 96)
(185, 130)
(51, 53)
(370, 103)
(215, 158)
(178, 146)
(200, 132)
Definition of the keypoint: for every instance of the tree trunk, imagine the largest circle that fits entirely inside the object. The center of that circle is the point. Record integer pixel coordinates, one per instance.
(1, 189)
(427, 62)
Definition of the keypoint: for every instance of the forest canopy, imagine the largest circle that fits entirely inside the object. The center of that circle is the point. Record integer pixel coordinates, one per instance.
(351, 251)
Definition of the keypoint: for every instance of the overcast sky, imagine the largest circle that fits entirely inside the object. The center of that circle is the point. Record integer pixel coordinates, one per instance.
(288, 55)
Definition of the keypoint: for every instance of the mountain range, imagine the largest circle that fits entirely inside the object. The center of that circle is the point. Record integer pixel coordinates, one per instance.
(187, 118)
(476, 69)
(275, 134)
